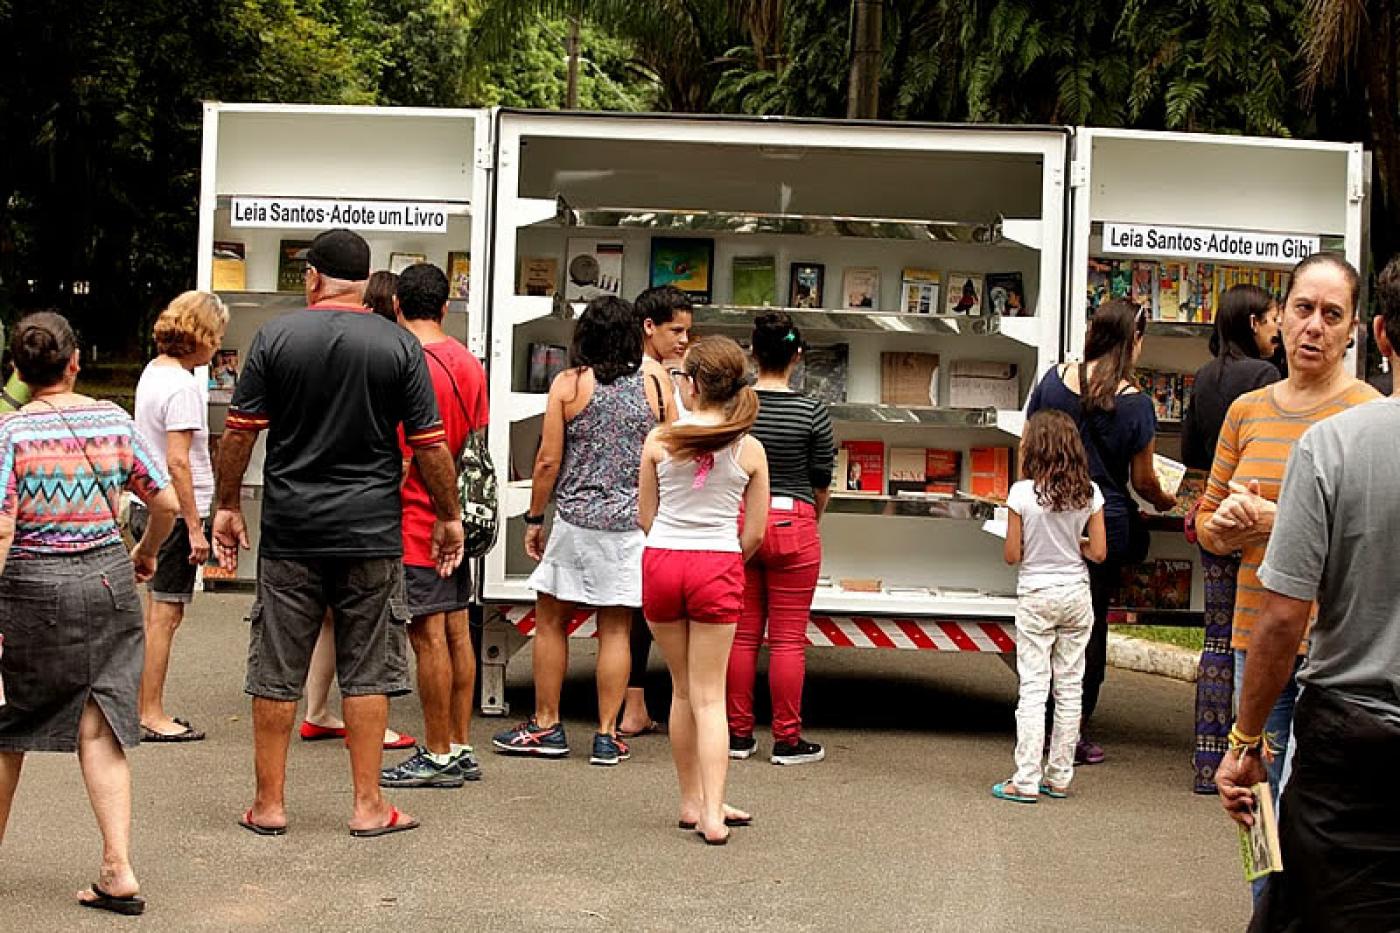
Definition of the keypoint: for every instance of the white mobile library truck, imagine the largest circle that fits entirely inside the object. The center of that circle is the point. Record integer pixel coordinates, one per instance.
(936, 271)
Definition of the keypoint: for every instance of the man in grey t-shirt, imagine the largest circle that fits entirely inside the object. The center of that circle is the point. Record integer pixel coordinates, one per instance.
(1333, 542)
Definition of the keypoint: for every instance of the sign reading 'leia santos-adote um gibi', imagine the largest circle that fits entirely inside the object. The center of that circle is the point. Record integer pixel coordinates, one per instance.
(328, 213)
(1207, 243)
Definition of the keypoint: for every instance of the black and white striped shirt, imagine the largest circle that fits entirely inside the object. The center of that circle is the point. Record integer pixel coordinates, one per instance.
(796, 434)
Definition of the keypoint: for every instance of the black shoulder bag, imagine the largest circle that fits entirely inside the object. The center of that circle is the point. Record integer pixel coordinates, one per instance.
(1139, 537)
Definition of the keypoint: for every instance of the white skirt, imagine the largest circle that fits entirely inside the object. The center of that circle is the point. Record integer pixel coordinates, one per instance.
(594, 568)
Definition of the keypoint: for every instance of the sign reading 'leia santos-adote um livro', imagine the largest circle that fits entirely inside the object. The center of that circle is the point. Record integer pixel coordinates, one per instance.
(1207, 243)
(328, 213)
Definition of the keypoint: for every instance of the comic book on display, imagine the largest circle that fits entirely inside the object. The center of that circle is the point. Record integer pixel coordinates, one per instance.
(1144, 284)
(1157, 584)
(1099, 288)
(918, 291)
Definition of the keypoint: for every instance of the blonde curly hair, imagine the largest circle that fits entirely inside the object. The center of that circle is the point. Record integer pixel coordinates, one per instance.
(194, 319)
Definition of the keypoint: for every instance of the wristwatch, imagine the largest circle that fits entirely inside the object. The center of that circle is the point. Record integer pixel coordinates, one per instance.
(534, 519)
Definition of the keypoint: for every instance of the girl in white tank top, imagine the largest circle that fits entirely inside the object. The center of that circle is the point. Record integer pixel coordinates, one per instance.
(696, 474)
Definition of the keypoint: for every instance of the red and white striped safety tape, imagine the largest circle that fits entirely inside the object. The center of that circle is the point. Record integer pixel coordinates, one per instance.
(921, 634)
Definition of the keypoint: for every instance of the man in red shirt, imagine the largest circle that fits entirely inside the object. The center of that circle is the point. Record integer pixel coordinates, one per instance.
(439, 632)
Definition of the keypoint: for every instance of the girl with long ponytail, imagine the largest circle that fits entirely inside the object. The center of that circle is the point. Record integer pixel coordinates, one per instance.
(699, 476)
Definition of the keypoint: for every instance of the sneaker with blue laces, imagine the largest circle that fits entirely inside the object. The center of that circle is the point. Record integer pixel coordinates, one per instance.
(421, 771)
(467, 765)
(529, 738)
(608, 750)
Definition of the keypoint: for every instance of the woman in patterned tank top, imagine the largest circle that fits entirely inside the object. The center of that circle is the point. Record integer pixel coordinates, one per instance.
(598, 414)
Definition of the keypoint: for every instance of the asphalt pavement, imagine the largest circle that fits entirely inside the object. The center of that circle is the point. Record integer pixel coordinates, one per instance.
(896, 830)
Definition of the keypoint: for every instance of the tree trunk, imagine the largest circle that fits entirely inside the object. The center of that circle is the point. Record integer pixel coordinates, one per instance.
(1378, 64)
(571, 47)
(864, 95)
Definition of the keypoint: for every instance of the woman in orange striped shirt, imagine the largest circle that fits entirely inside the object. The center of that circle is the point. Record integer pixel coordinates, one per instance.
(1260, 429)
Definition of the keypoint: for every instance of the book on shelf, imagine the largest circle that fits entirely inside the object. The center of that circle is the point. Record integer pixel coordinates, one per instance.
(821, 373)
(1157, 584)
(860, 288)
(860, 584)
(918, 291)
(1144, 283)
(1099, 288)
(806, 285)
(398, 262)
(223, 375)
(1169, 276)
(1170, 392)
(983, 384)
(539, 276)
(459, 274)
(291, 265)
(965, 294)
(230, 270)
(754, 281)
(991, 472)
(909, 379)
(1259, 845)
(593, 268)
(840, 470)
(924, 470)
(1006, 294)
(865, 467)
(547, 360)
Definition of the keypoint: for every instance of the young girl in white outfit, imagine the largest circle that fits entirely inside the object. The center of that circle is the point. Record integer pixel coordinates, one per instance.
(695, 476)
(1049, 513)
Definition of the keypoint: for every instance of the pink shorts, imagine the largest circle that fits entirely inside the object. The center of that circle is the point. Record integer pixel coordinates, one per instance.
(703, 586)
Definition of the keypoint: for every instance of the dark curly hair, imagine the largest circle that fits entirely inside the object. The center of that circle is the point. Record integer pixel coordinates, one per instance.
(607, 339)
(776, 341)
(42, 346)
(1053, 457)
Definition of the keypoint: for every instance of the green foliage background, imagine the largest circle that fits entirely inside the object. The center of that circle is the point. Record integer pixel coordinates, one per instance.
(100, 101)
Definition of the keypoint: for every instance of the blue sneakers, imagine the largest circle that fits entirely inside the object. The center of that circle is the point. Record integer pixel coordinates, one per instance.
(467, 765)
(529, 738)
(608, 750)
(421, 771)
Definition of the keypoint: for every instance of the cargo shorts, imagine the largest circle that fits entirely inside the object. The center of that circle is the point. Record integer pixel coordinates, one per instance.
(366, 601)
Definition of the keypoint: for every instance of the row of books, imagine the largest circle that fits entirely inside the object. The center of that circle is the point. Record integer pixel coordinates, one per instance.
(1176, 291)
(1169, 391)
(230, 267)
(907, 379)
(868, 468)
(1157, 584)
(594, 267)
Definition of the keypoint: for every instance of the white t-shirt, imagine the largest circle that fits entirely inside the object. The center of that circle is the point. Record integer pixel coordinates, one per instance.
(168, 399)
(1050, 554)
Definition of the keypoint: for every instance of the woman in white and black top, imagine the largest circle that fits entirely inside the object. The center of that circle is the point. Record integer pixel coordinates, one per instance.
(780, 579)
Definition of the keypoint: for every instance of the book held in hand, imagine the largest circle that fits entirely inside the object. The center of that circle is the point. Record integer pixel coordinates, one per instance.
(1169, 472)
(1259, 847)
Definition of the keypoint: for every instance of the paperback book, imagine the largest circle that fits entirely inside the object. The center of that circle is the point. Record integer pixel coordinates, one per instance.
(539, 276)
(1006, 294)
(806, 285)
(593, 269)
(918, 291)
(860, 289)
(822, 373)
(909, 379)
(230, 272)
(755, 281)
(291, 265)
(865, 467)
(983, 384)
(964, 293)
(991, 472)
(459, 275)
(1144, 283)
(924, 470)
(1259, 845)
(547, 360)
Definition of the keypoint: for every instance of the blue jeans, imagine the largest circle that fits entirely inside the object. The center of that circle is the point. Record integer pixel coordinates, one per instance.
(1278, 729)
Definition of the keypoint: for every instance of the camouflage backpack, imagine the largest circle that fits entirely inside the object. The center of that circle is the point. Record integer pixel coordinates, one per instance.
(476, 484)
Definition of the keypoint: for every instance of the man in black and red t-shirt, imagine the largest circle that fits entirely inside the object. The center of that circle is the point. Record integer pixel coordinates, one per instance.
(331, 385)
(440, 632)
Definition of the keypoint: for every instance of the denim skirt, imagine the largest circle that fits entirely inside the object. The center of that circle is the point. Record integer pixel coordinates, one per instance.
(73, 630)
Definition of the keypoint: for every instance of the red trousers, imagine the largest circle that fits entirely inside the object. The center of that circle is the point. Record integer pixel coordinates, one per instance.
(778, 584)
